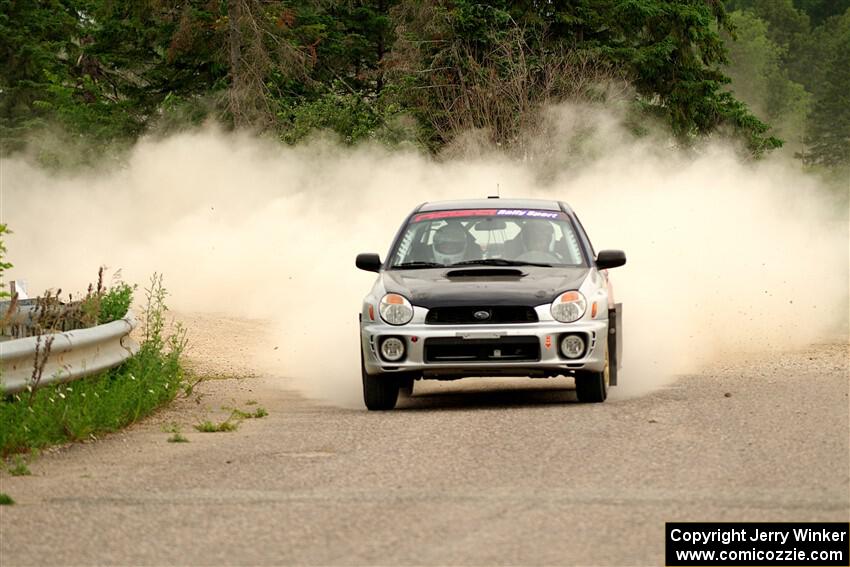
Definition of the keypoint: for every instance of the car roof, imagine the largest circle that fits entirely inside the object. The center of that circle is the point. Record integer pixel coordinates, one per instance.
(542, 204)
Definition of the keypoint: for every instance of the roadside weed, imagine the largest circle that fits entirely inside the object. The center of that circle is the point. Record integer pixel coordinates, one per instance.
(210, 427)
(19, 468)
(242, 414)
(5, 499)
(239, 414)
(176, 436)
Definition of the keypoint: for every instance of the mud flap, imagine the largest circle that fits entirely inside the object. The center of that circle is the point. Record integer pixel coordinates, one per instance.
(615, 341)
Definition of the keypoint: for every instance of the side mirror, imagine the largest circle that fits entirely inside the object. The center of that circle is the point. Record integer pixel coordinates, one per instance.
(369, 262)
(607, 259)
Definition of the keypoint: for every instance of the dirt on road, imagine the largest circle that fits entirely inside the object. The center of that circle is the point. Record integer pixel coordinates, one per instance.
(468, 472)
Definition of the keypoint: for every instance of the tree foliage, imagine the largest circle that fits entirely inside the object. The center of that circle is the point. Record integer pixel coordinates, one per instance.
(760, 78)
(788, 63)
(38, 44)
(476, 60)
(828, 133)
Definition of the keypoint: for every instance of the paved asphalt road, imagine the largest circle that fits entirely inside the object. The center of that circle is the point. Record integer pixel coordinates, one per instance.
(464, 473)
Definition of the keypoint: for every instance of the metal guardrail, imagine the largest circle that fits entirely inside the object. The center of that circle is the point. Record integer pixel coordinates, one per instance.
(73, 354)
(19, 323)
(26, 318)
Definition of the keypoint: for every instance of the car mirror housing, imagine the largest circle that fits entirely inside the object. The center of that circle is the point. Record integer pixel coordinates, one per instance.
(607, 259)
(369, 262)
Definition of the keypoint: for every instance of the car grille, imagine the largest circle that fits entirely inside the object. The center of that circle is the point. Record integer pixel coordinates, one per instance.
(467, 315)
(505, 349)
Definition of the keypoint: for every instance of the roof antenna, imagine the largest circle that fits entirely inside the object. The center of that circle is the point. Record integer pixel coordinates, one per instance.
(498, 193)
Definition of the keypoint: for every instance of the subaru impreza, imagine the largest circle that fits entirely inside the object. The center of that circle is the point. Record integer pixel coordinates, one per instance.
(490, 287)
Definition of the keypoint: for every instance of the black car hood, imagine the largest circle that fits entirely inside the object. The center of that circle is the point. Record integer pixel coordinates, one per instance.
(483, 286)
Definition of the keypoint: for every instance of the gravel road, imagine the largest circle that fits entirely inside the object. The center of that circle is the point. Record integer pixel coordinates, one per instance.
(487, 472)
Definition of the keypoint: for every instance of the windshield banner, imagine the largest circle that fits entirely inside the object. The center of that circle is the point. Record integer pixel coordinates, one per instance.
(528, 213)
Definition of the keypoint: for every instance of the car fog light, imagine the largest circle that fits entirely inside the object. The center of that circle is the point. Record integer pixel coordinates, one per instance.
(572, 346)
(392, 349)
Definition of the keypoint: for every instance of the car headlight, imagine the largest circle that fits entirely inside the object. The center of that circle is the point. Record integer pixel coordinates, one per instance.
(569, 307)
(395, 309)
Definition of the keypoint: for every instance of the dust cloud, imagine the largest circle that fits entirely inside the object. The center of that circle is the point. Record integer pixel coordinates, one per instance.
(723, 255)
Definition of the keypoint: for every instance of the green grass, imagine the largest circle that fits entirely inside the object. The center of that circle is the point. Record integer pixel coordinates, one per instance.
(104, 402)
(5, 499)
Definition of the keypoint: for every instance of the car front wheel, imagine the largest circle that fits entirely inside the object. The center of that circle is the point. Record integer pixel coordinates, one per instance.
(592, 387)
(379, 392)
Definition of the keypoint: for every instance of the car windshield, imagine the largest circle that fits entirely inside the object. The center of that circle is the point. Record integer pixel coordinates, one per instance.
(500, 237)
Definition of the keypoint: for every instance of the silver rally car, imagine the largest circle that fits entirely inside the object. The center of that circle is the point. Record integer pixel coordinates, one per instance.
(490, 287)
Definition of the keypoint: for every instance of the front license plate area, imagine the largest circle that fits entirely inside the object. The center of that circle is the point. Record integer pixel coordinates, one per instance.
(504, 349)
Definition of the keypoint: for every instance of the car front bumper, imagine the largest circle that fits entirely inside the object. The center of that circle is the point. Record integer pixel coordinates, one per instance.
(551, 361)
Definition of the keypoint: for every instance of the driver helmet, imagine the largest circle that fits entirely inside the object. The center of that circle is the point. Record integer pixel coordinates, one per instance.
(450, 243)
(538, 236)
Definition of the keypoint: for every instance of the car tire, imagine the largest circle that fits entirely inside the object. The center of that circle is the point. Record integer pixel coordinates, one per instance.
(380, 393)
(592, 387)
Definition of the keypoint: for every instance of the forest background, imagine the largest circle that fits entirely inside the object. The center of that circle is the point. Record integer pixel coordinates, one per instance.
(95, 75)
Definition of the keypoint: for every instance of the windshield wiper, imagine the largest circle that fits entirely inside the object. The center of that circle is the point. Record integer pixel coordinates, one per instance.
(499, 262)
(417, 265)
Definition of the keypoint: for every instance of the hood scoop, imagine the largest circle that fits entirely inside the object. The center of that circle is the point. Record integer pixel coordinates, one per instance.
(485, 273)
